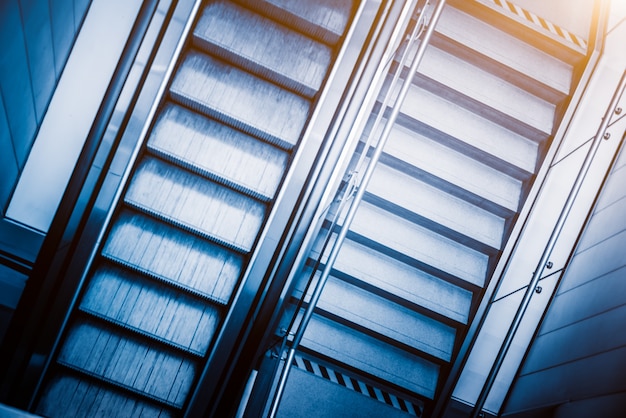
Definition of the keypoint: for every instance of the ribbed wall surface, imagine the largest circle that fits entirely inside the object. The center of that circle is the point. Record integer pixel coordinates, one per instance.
(193, 208)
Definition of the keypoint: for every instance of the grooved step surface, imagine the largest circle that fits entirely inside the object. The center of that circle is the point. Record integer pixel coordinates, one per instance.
(471, 129)
(436, 205)
(218, 151)
(193, 201)
(324, 19)
(241, 99)
(79, 398)
(139, 303)
(505, 48)
(271, 50)
(128, 362)
(371, 355)
(420, 244)
(168, 252)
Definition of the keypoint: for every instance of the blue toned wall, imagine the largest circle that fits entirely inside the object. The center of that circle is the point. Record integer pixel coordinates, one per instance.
(576, 365)
(36, 37)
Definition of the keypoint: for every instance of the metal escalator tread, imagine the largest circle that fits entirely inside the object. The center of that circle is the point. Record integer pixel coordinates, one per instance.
(226, 216)
(325, 20)
(217, 89)
(152, 308)
(168, 252)
(79, 398)
(218, 152)
(128, 362)
(299, 63)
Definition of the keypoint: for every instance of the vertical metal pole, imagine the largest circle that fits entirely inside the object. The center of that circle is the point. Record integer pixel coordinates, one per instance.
(547, 252)
(308, 313)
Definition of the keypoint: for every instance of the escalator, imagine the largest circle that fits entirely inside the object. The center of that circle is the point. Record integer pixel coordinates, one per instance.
(462, 156)
(181, 237)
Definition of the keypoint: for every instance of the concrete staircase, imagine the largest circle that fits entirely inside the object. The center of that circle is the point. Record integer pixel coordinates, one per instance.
(455, 173)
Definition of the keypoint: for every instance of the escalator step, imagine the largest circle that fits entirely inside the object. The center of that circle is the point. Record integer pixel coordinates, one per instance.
(218, 152)
(225, 215)
(79, 398)
(325, 20)
(128, 362)
(240, 99)
(165, 251)
(139, 303)
(266, 48)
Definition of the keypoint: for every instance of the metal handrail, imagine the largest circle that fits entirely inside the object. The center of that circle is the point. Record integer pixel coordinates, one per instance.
(360, 192)
(547, 252)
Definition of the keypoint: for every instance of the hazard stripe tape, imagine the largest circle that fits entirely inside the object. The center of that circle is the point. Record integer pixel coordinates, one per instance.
(349, 382)
(563, 33)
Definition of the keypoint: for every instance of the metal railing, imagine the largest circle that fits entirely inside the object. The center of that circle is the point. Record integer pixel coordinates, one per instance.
(547, 252)
(360, 188)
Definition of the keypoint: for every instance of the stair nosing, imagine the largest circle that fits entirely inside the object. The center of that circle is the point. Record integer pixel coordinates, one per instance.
(431, 225)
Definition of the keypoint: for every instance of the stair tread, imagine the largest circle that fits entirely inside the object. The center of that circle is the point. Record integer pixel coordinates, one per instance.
(471, 130)
(229, 216)
(150, 307)
(168, 252)
(371, 355)
(505, 48)
(218, 151)
(404, 281)
(324, 19)
(454, 167)
(420, 244)
(489, 90)
(236, 97)
(265, 47)
(387, 318)
(436, 205)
